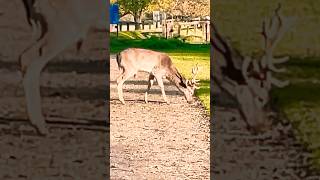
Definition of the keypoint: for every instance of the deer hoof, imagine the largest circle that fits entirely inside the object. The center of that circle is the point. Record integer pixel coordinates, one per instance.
(146, 98)
(122, 101)
(42, 130)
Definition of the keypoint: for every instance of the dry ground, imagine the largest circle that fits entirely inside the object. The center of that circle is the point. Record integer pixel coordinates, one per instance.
(240, 155)
(156, 140)
(73, 88)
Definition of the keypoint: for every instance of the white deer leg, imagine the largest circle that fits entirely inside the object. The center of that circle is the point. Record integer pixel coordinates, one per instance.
(150, 83)
(31, 68)
(160, 83)
(120, 80)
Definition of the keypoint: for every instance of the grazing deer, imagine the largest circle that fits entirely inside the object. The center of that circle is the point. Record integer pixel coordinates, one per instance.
(159, 65)
(56, 25)
(248, 80)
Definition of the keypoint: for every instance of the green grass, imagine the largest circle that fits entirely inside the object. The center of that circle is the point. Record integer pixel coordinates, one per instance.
(183, 55)
(136, 39)
(300, 102)
(242, 21)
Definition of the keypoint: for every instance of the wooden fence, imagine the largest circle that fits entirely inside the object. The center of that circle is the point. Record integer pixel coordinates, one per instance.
(169, 28)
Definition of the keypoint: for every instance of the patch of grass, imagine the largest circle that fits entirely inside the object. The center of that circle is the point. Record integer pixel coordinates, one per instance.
(183, 55)
(300, 102)
(242, 22)
(125, 40)
(128, 35)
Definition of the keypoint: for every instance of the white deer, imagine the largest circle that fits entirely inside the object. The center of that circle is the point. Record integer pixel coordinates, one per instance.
(159, 65)
(250, 80)
(56, 24)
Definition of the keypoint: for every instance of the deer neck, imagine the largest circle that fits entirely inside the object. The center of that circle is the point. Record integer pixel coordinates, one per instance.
(175, 77)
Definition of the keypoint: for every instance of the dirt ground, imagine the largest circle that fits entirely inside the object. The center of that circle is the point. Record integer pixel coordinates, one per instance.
(148, 141)
(240, 155)
(73, 87)
(156, 140)
(75, 111)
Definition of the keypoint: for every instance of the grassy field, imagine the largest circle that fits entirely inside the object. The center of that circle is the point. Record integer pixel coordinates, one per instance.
(299, 102)
(242, 21)
(184, 56)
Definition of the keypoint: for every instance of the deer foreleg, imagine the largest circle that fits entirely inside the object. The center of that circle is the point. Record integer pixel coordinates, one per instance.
(150, 83)
(160, 83)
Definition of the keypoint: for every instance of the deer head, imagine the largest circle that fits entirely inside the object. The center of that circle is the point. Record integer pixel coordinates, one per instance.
(191, 85)
(249, 80)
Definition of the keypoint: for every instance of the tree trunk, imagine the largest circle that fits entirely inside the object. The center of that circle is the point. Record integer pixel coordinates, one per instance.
(137, 20)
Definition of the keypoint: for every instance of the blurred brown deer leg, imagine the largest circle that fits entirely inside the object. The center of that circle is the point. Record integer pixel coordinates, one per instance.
(160, 83)
(150, 83)
(31, 65)
(120, 80)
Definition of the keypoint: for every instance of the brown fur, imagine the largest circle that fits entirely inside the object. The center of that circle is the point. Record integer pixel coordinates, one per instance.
(157, 64)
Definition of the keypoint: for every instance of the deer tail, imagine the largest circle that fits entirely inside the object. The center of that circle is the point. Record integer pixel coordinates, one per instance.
(118, 58)
(35, 19)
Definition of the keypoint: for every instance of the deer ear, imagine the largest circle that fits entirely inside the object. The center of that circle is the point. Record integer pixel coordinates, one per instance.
(183, 83)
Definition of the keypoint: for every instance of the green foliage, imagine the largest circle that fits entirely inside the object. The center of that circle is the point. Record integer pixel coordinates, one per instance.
(134, 7)
(300, 102)
(242, 22)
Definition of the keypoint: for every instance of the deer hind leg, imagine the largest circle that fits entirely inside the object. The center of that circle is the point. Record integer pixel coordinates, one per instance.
(160, 83)
(32, 63)
(120, 80)
(150, 83)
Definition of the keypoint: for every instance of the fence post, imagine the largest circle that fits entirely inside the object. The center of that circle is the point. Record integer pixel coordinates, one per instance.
(166, 27)
(150, 26)
(142, 25)
(127, 26)
(206, 25)
(187, 30)
(118, 30)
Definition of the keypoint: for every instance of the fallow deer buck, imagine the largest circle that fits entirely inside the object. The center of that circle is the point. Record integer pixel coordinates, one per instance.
(160, 66)
(56, 24)
(247, 80)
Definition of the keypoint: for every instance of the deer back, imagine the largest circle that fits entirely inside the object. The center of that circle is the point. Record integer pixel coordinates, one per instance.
(144, 60)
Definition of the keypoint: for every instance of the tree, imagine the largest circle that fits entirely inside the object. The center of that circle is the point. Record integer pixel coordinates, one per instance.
(191, 8)
(135, 8)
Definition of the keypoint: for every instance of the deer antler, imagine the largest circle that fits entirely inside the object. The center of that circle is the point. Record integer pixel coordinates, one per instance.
(247, 79)
(194, 81)
(272, 31)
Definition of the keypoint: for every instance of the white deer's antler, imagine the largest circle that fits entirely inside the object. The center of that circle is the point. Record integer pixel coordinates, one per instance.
(272, 31)
(194, 81)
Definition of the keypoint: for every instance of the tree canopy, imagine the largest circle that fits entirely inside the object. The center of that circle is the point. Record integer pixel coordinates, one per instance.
(192, 8)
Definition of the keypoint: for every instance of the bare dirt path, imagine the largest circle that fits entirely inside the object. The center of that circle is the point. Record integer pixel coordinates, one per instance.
(156, 140)
(239, 154)
(71, 150)
(73, 88)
